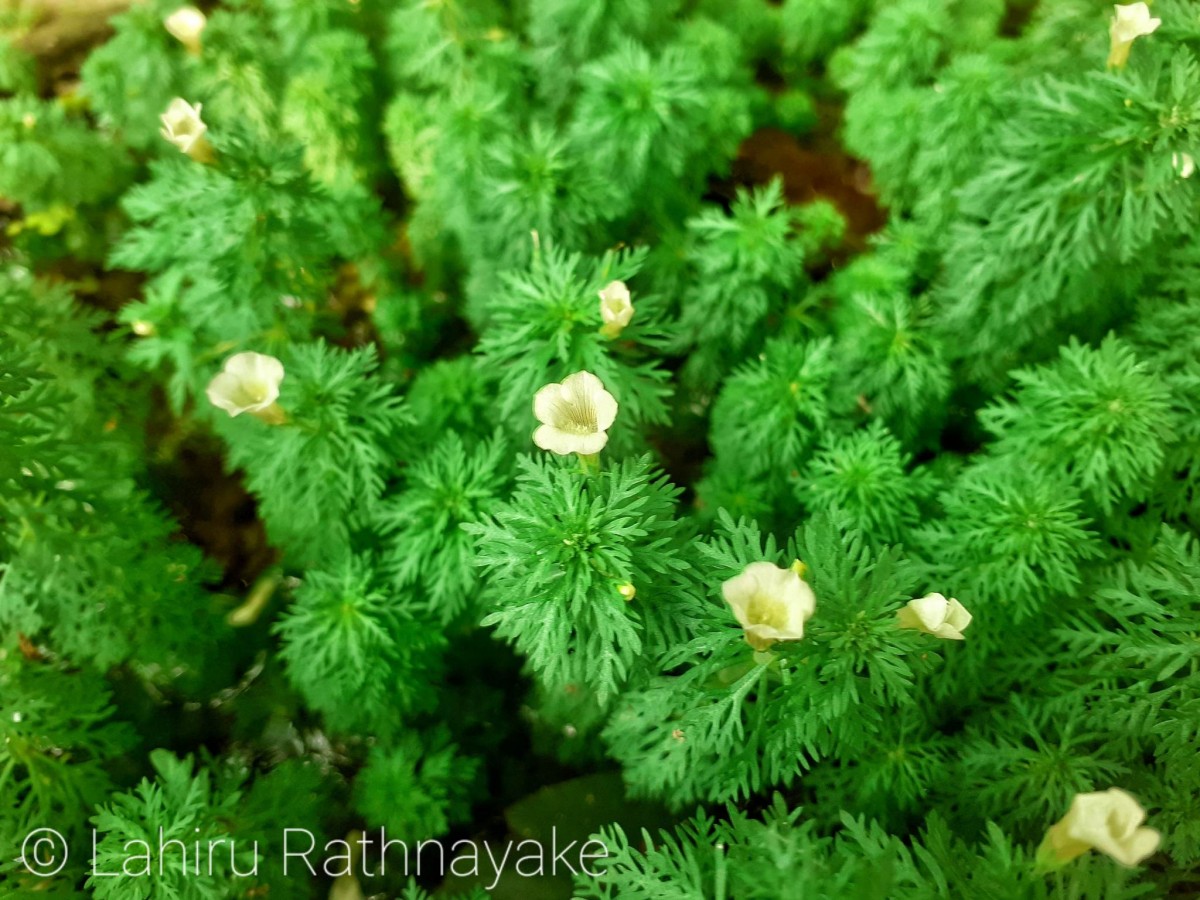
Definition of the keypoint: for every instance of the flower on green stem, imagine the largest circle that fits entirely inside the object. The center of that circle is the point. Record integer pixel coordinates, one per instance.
(616, 308)
(183, 127)
(1131, 22)
(575, 415)
(186, 25)
(1109, 821)
(771, 604)
(934, 614)
(249, 382)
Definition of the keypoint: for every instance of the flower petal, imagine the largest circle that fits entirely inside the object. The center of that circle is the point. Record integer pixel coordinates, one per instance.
(546, 402)
(1142, 844)
(253, 366)
(582, 386)
(931, 609)
(605, 405)
(801, 604)
(957, 616)
(550, 438)
(760, 637)
(590, 444)
(948, 633)
(223, 392)
(740, 590)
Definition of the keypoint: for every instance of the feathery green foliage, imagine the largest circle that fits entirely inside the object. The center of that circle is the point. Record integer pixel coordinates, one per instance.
(789, 409)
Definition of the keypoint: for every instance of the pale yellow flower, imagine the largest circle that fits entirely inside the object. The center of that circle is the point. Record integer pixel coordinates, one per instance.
(249, 382)
(184, 128)
(936, 615)
(186, 25)
(771, 604)
(616, 308)
(575, 415)
(1109, 821)
(1131, 22)
(1183, 164)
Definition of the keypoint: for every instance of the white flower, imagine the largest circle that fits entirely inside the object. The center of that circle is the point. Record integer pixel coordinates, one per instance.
(616, 308)
(1183, 164)
(249, 382)
(936, 615)
(1130, 23)
(183, 127)
(1108, 821)
(771, 604)
(575, 415)
(186, 25)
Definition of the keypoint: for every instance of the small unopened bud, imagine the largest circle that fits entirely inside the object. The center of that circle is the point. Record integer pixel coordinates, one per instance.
(186, 25)
(935, 615)
(616, 309)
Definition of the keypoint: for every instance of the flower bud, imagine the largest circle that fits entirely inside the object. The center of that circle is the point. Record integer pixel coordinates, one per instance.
(616, 308)
(186, 25)
(936, 615)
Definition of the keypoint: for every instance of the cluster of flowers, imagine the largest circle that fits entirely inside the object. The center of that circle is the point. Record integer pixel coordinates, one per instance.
(183, 127)
(181, 123)
(770, 603)
(575, 414)
(1110, 821)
